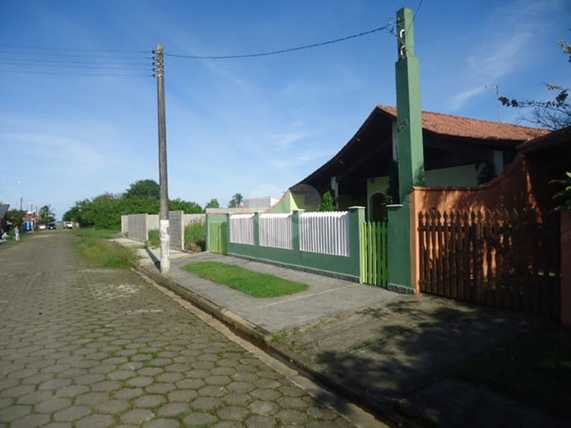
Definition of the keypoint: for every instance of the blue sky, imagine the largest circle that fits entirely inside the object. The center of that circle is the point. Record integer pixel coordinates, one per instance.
(255, 126)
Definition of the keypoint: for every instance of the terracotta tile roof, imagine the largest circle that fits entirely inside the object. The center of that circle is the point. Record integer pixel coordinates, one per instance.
(458, 126)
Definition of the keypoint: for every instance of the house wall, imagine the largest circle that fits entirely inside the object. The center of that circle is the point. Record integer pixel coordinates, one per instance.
(465, 175)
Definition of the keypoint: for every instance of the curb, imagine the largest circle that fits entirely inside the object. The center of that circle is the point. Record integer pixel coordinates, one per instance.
(261, 338)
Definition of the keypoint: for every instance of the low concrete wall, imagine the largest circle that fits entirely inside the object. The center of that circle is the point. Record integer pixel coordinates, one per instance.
(194, 218)
(137, 227)
(176, 230)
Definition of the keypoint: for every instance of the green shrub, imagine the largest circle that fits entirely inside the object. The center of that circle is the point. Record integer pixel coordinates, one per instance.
(195, 236)
(154, 238)
(94, 247)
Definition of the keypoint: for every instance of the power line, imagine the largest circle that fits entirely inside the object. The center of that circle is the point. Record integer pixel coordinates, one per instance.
(87, 61)
(282, 51)
(76, 50)
(79, 55)
(74, 73)
(137, 66)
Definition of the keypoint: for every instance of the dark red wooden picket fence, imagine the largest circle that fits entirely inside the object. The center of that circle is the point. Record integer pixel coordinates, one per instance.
(500, 258)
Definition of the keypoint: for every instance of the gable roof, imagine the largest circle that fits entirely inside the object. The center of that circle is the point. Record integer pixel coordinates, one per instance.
(493, 134)
(561, 136)
(464, 127)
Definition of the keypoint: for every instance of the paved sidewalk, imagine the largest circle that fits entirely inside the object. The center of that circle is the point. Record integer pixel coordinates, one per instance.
(325, 296)
(87, 347)
(389, 349)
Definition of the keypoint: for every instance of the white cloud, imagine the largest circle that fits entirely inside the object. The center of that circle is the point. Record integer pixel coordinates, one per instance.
(56, 151)
(487, 68)
(287, 139)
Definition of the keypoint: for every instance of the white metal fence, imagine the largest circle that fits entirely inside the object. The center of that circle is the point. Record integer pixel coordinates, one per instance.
(324, 233)
(275, 231)
(242, 229)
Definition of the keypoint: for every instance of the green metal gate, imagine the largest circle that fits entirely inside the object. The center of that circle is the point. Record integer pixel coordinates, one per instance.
(374, 252)
(216, 238)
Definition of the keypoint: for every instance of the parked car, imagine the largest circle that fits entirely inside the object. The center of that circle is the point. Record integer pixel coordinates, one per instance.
(52, 226)
(68, 225)
(42, 227)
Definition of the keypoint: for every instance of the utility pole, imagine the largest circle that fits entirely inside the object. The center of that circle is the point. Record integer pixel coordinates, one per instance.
(159, 67)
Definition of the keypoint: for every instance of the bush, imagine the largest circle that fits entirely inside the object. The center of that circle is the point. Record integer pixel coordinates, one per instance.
(195, 236)
(154, 238)
(98, 251)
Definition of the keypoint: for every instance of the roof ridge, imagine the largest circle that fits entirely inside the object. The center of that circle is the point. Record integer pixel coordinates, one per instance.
(385, 107)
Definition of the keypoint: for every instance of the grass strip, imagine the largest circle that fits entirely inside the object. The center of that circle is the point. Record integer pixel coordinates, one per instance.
(93, 245)
(255, 284)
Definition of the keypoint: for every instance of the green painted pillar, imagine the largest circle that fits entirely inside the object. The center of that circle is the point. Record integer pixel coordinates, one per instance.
(207, 233)
(226, 235)
(356, 218)
(256, 229)
(295, 229)
(409, 154)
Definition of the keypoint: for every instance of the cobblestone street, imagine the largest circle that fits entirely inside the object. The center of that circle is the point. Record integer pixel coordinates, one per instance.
(87, 347)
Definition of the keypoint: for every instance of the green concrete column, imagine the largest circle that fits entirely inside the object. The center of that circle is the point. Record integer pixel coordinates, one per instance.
(207, 233)
(409, 112)
(226, 235)
(256, 229)
(356, 218)
(295, 229)
(409, 154)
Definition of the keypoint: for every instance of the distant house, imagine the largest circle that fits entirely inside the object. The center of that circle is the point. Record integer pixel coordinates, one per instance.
(458, 151)
(3, 222)
(260, 203)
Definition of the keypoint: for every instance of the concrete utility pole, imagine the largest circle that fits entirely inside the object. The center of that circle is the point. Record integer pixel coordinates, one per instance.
(159, 65)
(402, 266)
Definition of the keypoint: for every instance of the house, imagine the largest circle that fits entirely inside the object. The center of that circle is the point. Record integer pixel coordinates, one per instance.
(3, 222)
(458, 151)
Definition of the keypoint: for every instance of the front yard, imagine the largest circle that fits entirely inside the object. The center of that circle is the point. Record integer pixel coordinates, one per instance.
(255, 284)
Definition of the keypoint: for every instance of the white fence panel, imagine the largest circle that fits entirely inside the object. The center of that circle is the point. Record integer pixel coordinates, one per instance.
(324, 233)
(242, 229)
(275, 231)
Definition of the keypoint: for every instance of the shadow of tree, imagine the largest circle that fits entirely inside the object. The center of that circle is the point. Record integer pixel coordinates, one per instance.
(410, 357)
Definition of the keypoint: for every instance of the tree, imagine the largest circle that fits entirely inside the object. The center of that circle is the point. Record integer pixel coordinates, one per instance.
(552, 114)
(188, 207)
(144, 189)
(327, 202)
(46, 215)
(213, 203)
(15, 217)
(236, 201)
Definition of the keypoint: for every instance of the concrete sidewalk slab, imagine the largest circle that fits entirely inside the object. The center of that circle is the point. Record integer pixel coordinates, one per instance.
(324, 296)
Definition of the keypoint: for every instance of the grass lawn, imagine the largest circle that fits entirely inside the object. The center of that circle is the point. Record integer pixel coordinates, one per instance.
(94, 247)
(253, 283)
(534, 368)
